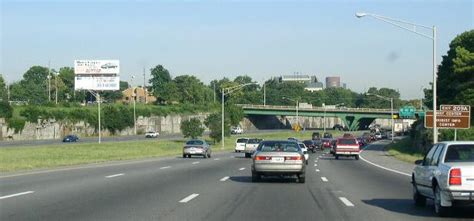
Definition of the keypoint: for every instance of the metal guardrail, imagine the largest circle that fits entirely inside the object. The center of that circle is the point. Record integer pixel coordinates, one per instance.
(344, 109)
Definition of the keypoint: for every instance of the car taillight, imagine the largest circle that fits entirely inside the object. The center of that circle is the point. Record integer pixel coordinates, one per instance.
(263, 158)
(294, 158)
(455, 177)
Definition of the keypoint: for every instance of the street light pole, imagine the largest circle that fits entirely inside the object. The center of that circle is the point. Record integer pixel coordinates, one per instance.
(264, 95)
(398, 23)
(134, 96)
(392, 122)
(223, 92)
(324, 118)
(49, 87)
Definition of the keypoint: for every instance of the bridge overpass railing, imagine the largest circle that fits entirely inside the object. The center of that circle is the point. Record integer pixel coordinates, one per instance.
(318, 109)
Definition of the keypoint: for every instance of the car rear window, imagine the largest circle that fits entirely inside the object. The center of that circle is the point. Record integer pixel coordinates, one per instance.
(460, 153)
(278, 147)
(254, 141)
(195, 142)
(308, 142)
(242, 140)
(347, 141)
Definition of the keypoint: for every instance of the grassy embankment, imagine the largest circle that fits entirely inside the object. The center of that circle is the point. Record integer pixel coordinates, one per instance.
(53, 156)
(404, 150)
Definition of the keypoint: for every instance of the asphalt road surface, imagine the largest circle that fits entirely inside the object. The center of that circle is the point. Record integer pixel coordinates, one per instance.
(218, 188)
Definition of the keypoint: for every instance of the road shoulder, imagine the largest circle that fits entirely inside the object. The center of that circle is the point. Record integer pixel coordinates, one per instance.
(376, 155)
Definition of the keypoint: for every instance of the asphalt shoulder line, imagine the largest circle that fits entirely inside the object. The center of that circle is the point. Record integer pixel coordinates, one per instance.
(16, 194)
(115, 175)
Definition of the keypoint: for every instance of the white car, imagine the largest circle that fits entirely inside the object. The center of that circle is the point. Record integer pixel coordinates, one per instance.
(236, 130)
(240, 144)
(305, 151)
(152, 134)
(251, 146)
(446, 175)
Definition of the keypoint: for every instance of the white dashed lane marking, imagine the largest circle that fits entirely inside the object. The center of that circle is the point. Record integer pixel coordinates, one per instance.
(196, 162)
(324, 179)
(317, 170)
(162, 168)
(224, 178)
(189, 198)
(242, 168)
(115, 175)
(16, 194)
(346, 201)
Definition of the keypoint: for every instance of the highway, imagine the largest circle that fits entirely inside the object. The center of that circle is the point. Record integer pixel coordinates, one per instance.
(218, 188)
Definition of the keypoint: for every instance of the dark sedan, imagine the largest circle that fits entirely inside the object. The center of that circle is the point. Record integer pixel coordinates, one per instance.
(70, 138)
(311, 145)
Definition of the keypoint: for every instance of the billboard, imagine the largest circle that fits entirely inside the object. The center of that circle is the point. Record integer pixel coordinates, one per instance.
(96, 66)
(99, 83)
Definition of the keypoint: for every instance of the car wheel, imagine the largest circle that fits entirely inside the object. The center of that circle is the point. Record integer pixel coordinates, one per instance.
(209, 155)
(205, 155)
(336, 156)
(255, 177)
(357, 157)
(247, 155)
(419, 199)
(184, 156)
(439, 209)
(301, 178)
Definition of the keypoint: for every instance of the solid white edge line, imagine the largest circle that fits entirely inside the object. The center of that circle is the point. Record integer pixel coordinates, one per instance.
(346, 201)
(16, 194)
(115, 175)
(189, 198)
(224, 178)
(166, 167)
(324, 179)
(382, 167)
(243, 168)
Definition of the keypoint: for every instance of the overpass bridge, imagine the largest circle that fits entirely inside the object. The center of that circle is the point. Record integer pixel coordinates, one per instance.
(353, 118)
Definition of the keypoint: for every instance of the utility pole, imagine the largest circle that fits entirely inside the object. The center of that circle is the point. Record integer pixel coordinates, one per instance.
(144, 87)
(214, 92)
(56, 82)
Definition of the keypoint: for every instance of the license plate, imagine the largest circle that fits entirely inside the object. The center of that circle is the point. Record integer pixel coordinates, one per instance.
(278, 159)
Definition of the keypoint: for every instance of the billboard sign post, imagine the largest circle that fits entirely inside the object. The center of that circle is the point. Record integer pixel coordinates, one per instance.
(95, 76)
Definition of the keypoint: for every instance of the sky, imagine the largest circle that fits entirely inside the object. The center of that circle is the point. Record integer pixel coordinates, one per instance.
(216, 39)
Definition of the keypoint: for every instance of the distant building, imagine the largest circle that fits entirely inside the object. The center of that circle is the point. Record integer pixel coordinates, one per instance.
(297, 78)
(333, 82)
(315, 86)
(344, 85)
(311, 82)
(143, 96)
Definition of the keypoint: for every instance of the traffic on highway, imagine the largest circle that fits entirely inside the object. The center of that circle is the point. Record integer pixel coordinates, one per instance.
(229, 186)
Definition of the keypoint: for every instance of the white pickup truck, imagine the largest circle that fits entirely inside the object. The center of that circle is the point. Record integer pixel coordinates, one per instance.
(446, 175)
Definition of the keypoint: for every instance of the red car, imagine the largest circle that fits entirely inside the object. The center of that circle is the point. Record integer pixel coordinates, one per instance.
(326, 142)
(346, 147)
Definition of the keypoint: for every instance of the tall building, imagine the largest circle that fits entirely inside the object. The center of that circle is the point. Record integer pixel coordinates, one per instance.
(333, 82)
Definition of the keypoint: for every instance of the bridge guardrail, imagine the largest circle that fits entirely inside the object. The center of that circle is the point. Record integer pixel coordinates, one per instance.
(277, 107)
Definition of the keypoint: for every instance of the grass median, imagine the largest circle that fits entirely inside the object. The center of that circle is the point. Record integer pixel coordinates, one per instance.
(52, 156)
(404, 150)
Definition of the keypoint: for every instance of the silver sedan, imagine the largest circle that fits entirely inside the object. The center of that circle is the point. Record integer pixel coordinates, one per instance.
(283, 158)
(197, 147)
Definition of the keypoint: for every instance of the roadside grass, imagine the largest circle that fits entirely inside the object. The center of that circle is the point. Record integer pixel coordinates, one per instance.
(404, 151)
(52, 156)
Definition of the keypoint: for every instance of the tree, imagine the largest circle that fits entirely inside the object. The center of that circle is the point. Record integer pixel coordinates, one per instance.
(190, 89)
(213, 122)
(159, 78)
(6, 111)
(118, 118)
(456, 72)
(234, 113)
(33, 87)
(192, 128)
(3, 89)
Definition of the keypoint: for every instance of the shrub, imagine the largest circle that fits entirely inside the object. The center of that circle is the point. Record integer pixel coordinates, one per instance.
(6, 111)
(16, 123)
(192, 128)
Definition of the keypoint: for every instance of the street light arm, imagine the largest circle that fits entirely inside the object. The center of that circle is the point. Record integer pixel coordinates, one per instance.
(380, 96)
(395, 22)
(232, 89)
